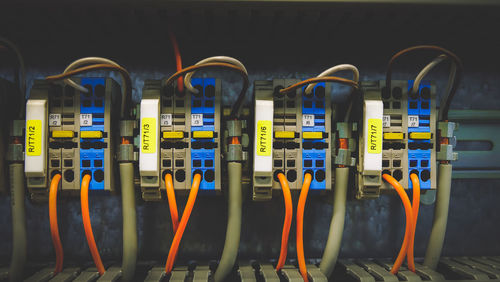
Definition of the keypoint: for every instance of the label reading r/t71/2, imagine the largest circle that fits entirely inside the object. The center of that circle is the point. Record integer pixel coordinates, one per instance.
(264, 137)
(374, 136)
(34, 137)
(148, 135)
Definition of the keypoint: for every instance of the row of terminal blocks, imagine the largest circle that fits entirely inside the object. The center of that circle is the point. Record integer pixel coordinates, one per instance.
(406, 140)
(180, 135)
(292, 136)
(69, 132)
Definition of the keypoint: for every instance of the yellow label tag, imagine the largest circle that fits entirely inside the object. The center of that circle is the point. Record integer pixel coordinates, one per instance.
(148, 135)
(34, 137)
(264, 137)
(374, 136)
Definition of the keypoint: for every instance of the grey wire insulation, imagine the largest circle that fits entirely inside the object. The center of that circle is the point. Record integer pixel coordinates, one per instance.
(436, 239)
(19, 243)
(129, 222)
(233, 230)
(332, 248)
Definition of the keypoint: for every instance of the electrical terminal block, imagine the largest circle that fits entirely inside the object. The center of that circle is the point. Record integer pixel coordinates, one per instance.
(185, 137)
(77, 135)
(409, 136)
(299, 127)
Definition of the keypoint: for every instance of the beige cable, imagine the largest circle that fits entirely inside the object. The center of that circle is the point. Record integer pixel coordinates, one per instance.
(88, 61)
(334, 69)
(215, 59)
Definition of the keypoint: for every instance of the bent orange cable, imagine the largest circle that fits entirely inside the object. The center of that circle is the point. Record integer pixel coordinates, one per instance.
(415, 206)
(172, 204)
(300, 226)
(54, 227)
(287, 222)
(409, 221)
(178, 60)
(174, 248)
(84, 199)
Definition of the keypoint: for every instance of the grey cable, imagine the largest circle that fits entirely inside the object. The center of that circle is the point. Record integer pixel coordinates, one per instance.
(436, 239)
(233, 230)
(129, 222)
(332, 248)
(19, 243)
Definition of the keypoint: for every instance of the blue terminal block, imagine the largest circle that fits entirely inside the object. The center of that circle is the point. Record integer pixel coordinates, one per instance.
(92, 150)
(419, 151)
(203, 149)
(314, 150)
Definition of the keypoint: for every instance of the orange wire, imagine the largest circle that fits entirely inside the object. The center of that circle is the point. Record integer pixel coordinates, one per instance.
(287, 222)
(178, 60)
(415, 206)
(172, 204)
(409, 221)
(87, 226)
(174, 248)
(54, 227)
(300, 226)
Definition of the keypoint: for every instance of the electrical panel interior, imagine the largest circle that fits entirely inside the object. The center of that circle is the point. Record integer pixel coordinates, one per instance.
(254, 166)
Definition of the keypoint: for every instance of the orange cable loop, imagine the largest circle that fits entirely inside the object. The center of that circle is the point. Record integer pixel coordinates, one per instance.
(415, 206)
(54, 227)
(87, 225)
(409, 221)
(287, 222)
(178, 60)
(174, 248)
(172, 204)
(300, 226)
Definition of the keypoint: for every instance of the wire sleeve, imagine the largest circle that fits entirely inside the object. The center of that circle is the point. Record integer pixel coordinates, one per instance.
(54, 227)
(436, 239)
(332, 248)
(233, 230)
(415, 207)
(174, 248)
(87, 226)
(287, 223)
(301, 258)
(129, 217)
(19, 243)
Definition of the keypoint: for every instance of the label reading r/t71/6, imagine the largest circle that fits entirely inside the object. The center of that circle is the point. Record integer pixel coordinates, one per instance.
(148, 135)
(374, 141)
(264, 137)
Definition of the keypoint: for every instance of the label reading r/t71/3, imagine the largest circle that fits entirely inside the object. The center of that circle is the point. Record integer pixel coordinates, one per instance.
(264, 137)
(148, 135)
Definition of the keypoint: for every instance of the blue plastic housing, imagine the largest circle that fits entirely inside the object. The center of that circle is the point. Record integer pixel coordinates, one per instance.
(203, 159)
(316, 158)
(92, 160)
(419, 159)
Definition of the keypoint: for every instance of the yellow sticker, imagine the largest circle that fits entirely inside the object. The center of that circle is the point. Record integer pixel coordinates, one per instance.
(34, 137)
(148, 135)
(264, 137)
(374, 136)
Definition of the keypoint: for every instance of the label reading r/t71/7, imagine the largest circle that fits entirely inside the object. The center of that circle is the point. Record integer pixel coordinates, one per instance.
(264, 137)
(374, 142)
